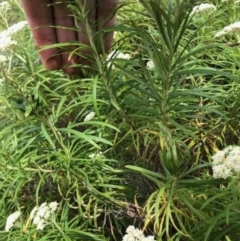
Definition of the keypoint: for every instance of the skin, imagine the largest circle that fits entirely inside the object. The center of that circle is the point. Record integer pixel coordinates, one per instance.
(41, 14)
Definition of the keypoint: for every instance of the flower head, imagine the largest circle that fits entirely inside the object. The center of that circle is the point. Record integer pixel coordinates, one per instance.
(226, 162)
(118, 55)
(6, 42)
(40, 215)
(134, 234)
(89, 116)
(3, 58)
(16, 27)
(203, 7)
(11, 220)
(228, 29)
(150, 65)
(96, 155)
(4, 6)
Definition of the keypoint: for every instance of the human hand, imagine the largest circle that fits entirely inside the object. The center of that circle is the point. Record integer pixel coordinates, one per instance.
(42, 14)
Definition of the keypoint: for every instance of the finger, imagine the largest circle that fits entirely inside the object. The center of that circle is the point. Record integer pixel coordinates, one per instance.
(40, 18)
(106, 18)
(65, 34)
(88, 8)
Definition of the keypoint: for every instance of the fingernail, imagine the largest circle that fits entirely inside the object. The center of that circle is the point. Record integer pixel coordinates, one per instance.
(72, 71)
(53, 63)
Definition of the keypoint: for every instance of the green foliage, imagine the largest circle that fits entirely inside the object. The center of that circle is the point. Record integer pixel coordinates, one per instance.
(145, 158)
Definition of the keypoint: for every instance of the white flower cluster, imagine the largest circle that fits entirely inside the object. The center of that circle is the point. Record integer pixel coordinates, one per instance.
(2, 58)
(118, 55)
(4, 6)
(15, 28)
(134, 234)
(12, 218)
(96, 155)
(39, 215)
(6, 42)
(226, 163)
(6, 35)
(228, 29)
(203, 7)
(89, 116)
(150, 65)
